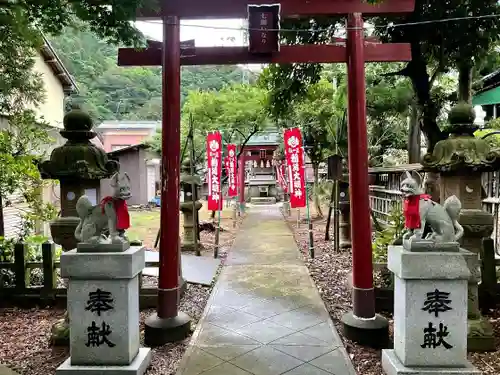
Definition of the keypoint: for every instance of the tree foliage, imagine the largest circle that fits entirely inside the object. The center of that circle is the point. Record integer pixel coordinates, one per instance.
(110, 92)
(436, 48)
(320, 110)
(23, 134)
(238, 111)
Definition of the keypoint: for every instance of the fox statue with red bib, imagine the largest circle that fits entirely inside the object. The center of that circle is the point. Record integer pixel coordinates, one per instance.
(427, 220)
(105, 223)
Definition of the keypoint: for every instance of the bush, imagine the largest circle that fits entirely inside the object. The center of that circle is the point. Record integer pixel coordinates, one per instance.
(390, 233)
(34, 244)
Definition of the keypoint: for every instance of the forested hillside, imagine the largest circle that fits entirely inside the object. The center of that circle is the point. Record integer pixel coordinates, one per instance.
(109, 92)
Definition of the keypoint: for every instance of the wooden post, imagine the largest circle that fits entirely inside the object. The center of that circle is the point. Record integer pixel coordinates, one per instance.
(330, 210)
(21, 272)
(194, 189)
(49, 271)
(336, 218)
(234, 213)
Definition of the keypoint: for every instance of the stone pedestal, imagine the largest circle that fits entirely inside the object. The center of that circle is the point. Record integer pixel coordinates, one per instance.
(188, 223)
(430, 314)
(103, 307)
(345, 225)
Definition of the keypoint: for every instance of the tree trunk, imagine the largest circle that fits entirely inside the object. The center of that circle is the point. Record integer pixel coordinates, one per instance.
(317, 202)
(465, 82)
(414, 136)
(2, 224)
(417, 72)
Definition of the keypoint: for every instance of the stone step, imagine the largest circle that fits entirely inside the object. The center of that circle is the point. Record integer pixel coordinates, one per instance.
(262, 200)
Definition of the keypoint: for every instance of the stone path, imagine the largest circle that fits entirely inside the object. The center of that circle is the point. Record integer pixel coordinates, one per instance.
(265, 316)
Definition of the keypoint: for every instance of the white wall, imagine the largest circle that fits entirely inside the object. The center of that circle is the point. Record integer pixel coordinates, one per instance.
(53, 107)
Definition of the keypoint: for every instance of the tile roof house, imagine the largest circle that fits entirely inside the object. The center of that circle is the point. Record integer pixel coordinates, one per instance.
(120, 134)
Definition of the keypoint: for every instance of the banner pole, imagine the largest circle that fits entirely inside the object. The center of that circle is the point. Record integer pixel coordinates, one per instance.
(308, 211)
(217, 230)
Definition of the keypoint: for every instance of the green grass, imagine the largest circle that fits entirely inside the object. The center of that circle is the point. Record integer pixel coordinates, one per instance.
(144, 225)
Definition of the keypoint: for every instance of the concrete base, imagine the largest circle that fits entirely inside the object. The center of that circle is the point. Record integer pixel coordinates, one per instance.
(83, 247)
(480, 337)
(393, 366)
(138, 367)
(373, 333)
(345, 244)
(262, 200)
(159, 331)
(190, 246)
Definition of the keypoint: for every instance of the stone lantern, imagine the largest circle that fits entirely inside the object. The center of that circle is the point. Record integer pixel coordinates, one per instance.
(188, 207)
(79, 166)
(460, 160)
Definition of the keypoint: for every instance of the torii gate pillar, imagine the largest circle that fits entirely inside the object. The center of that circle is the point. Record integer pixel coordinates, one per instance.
(168, 324)
(361, 325)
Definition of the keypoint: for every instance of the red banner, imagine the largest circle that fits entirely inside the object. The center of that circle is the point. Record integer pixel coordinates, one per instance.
(231, 171)
(214, 160)
(295, 162)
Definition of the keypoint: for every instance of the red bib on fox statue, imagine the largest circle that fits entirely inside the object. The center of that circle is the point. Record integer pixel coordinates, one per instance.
(121, 209)
(411, 210)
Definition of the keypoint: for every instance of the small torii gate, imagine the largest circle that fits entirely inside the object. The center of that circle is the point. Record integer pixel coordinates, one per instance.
(362, 324)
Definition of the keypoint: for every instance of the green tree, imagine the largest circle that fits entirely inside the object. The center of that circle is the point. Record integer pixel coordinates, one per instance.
(436, 48)
(22, 133)
(238, 111)
(110, 92)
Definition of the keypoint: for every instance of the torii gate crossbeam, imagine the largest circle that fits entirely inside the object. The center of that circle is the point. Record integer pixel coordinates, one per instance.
(362, 324)
(193, 9)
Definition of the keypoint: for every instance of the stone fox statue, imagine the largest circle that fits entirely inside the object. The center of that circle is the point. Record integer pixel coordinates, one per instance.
(425, 217)
(110, 216)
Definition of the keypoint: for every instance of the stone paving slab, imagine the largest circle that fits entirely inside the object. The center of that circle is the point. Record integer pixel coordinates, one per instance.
(265, 317)
(195, 269)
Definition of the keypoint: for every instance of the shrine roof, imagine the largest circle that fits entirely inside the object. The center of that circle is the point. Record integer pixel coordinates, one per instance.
(264, 138)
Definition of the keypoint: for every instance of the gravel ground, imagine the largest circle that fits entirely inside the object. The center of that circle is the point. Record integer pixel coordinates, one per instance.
(24, 334)
(329, 271)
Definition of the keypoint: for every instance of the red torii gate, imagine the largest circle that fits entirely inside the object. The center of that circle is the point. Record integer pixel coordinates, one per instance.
(362, 324)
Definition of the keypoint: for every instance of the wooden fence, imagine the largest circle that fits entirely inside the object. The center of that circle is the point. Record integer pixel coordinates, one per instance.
(21, 292)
